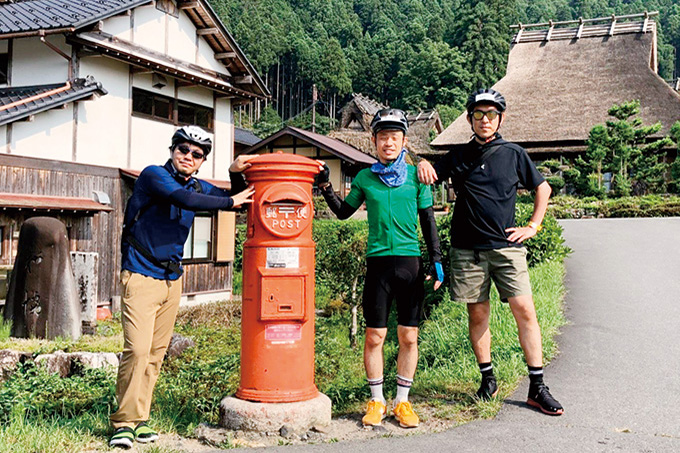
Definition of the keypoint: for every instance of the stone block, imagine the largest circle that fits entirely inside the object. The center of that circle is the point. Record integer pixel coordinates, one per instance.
(42, 301)
(178, 344)
(9, 361)
(86, 271)
(95, 359)
(296, 417)
(58, 362)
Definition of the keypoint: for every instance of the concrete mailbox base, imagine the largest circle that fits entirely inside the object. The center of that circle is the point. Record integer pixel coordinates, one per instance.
(244, 415)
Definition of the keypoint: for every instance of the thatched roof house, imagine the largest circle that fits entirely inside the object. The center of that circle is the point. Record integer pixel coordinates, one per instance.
(355, 126)
(560, 82)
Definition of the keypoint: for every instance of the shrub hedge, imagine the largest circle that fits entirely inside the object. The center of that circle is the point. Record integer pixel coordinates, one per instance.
(567, 207)
(341, 250)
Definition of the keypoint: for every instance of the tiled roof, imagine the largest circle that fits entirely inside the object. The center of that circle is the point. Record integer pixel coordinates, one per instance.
(21, 18)
(31, 16)
(245, 137)
(19, 102)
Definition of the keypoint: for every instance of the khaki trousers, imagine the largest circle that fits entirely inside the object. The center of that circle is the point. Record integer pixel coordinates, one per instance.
(149, 309)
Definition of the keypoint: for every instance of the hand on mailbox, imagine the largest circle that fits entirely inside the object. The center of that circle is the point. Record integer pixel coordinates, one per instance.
(324, 175)
(244, 197)
(242, 162)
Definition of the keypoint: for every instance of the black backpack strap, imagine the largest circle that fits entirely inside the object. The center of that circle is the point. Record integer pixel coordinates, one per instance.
(172, 266)
(460, 179)
(198, 188)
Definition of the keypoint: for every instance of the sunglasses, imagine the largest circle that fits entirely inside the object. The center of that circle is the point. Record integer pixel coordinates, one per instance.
(491, 114)
(184, 149)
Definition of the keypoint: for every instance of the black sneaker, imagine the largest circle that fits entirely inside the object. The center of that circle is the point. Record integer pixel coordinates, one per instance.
(144, 434)
(540, 397)
(122, 438)
(488, 389)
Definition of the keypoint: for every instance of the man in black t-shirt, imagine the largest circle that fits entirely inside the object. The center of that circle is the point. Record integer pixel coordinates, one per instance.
(485, 243)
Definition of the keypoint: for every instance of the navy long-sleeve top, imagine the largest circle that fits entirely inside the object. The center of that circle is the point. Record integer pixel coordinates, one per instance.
(160, 213)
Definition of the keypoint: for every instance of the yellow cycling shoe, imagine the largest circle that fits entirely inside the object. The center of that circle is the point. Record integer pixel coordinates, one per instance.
(404, 413)
(375, 412)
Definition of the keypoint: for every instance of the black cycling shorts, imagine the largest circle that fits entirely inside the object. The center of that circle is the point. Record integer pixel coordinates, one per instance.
(389, 278)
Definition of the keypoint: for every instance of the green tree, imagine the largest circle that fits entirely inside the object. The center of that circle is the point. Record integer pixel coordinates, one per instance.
(269, 122)
(589, 170)
(434, 75)
(485, 38)
(628, 150)
(674, 185)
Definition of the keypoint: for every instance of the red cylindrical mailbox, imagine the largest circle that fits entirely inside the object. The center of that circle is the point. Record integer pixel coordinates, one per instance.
(277, 332)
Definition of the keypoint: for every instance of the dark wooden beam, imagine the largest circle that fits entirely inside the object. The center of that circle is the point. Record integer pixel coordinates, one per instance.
(243, 80)
(225, 55)
(207, 31)
(188, 5)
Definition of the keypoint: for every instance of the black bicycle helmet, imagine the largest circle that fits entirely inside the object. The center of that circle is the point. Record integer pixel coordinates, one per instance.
(392, 119)
(486, 96)
(194, 135)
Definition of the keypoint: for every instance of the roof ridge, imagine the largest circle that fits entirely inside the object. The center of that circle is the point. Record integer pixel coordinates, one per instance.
(587, 28)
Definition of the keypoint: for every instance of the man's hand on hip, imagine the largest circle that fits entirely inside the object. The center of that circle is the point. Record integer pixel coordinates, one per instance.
(520, 234)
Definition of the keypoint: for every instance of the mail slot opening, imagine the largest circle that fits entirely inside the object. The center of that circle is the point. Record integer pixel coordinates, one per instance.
(285, 308)
(287, 203)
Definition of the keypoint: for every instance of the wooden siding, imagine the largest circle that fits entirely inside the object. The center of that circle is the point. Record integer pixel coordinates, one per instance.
(206, 277)
(87, 233)
(101, 232)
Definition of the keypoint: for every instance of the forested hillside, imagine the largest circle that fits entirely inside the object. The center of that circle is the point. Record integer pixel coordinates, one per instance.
(413, 54)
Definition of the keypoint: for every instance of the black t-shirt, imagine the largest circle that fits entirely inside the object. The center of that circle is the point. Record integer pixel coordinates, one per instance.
(485, 202)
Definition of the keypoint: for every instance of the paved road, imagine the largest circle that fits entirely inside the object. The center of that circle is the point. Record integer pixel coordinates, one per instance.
(617, 373)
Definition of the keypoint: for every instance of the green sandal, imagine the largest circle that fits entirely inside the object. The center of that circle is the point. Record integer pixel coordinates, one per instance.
(144, 434)
(123, 438)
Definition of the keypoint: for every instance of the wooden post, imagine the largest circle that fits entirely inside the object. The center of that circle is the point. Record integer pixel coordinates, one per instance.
(314, 94)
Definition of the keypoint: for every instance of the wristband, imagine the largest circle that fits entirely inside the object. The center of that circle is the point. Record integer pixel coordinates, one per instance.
(536, 226)
(439, 270)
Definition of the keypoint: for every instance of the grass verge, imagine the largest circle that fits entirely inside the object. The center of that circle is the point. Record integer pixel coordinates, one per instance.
(43, 413)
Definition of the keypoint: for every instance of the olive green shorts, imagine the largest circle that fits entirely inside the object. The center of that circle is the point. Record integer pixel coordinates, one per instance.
(473, 270)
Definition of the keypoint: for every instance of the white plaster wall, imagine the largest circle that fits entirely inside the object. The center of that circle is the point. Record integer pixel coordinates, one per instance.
(33, 63)
(206, 57)
(336, 172)
(223, 151)
(145, 82)
(150, 143)
(3, 139)
(197, 95)
(150, 27)
(182, 34)
(102, 136)
(48, 136)
(119, 26)
(173, 36)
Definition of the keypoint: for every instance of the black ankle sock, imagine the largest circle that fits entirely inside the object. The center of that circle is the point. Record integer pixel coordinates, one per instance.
(486, 369)
(535, 375)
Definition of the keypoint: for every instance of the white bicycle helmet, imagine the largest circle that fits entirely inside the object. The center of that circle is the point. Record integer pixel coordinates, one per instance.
(194, 135)
(392, 119)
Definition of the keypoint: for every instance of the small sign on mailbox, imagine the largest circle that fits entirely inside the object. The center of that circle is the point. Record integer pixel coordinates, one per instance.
(283, 333)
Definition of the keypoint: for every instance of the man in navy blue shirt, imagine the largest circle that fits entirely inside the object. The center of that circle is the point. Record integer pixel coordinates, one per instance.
(486, 245)
(157, 221)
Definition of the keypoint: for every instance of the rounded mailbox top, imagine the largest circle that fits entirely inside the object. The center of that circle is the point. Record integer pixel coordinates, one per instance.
(282, 165)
